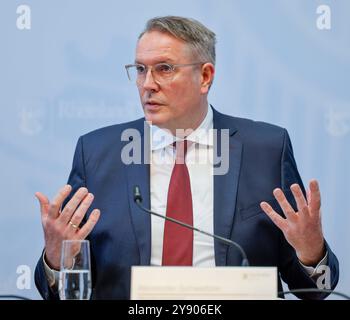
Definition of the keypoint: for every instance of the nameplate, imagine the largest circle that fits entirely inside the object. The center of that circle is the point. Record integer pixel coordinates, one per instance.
(189, 283)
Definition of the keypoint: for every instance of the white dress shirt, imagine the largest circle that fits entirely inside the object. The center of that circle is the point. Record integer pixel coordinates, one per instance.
(199, 162)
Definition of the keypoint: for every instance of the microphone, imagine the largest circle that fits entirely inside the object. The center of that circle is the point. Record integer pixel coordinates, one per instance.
(138, 201)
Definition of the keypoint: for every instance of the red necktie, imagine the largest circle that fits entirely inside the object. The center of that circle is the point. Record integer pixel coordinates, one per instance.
(178, 240)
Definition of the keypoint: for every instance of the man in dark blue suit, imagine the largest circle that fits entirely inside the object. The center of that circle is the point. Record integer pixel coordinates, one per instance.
(257, 199)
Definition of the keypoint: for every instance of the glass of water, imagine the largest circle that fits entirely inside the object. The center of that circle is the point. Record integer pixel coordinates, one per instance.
(75, 272)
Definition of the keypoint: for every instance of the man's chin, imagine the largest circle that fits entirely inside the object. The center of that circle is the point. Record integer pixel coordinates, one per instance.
(155, 119)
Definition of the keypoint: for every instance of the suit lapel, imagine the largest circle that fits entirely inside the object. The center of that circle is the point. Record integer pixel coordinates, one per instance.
(139, 175)
(225, 187)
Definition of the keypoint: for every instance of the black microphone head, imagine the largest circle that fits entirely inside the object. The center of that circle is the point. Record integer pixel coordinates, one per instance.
(137, 194)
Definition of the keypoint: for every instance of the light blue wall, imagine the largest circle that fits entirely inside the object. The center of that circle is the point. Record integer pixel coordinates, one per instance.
(65, 77)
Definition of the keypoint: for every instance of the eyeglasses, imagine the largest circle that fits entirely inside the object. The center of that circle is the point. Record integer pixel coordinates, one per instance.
(161, 72)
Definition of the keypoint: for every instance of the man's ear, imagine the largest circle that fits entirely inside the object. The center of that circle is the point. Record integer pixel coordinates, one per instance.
(207, 76)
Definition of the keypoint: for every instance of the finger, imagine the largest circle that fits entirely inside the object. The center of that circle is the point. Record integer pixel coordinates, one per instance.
(308, 196)
(90, 224)
(315, 197)
(79, 214)
(274, 216)
(284, 204)
(44, 203)
(58, 200)
(72, 205)
(299, 199)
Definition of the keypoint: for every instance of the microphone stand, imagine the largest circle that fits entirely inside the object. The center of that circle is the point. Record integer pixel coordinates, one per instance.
(138, 201)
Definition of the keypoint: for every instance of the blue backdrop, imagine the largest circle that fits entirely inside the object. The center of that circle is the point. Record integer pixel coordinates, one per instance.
(62, 75)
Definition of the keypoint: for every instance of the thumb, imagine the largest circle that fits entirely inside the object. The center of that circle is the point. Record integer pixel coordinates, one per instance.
(44, 202)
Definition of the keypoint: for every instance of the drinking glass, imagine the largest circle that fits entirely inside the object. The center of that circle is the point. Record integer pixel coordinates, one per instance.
(75, 271)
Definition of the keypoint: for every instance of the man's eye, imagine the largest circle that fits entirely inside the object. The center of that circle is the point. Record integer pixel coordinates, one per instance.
(140, 69)
(164, 68)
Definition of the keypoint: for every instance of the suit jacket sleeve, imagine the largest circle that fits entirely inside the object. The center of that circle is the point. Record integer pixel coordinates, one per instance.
(291, 270)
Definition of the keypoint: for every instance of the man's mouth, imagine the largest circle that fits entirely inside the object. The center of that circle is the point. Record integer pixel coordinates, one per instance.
(152, 105)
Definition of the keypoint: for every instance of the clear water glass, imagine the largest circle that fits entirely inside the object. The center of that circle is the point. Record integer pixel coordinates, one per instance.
(75, 271)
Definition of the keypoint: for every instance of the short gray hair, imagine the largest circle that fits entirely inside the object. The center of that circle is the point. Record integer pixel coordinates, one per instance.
(199, 37)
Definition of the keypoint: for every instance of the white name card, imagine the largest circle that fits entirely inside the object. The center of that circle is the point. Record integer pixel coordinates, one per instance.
(194, 283)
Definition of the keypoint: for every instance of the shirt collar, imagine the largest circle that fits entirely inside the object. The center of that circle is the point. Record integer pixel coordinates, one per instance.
(162, 138)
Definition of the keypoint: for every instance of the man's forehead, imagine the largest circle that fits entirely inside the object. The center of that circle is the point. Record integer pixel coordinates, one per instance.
(157, 54)
(160, 46)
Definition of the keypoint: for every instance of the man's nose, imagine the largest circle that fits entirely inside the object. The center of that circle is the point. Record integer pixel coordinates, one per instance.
(150, 83)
